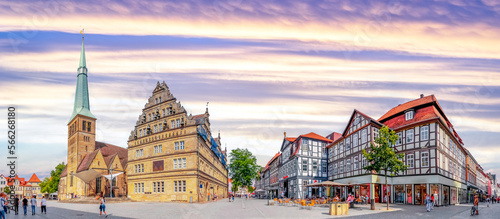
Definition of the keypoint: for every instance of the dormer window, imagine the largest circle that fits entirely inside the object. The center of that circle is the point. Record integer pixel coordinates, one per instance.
(409, 114)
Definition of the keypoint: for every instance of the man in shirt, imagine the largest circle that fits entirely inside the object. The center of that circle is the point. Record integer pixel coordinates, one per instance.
(25, 205)
(16, 205)
(43, 205)
(33, 205)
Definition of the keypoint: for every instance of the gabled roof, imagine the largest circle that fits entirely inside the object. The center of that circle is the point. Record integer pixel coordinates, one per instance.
(290, 139)
(394, 117)
(423, 114)
(109, 150)
(315, 136)
(351, 120)
(272, 159)
(409, 105)
(34, 179)
(87, 161)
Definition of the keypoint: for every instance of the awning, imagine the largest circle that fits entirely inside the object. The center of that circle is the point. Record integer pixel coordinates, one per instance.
(114, 175)
(326, 184)
(88, 175)
(259, 190)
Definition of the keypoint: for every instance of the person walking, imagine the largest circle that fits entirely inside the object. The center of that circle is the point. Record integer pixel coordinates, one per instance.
(233, 197)
(25, 205)
(428, 202)
(432, 202)
(2, 204)
(33, 205)
(102, 207)
(476, 204)
(16, 204)
(43, 205)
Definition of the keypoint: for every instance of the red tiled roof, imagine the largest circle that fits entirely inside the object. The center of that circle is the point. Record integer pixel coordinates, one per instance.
(34, 179)
(408, 105)
(315, 136)
(290, 139)
(423, 114)
(272, 159)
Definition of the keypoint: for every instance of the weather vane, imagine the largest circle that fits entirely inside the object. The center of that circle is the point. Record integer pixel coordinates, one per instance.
(81, 31)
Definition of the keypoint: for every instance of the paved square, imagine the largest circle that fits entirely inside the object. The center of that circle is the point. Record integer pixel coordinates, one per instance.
(242, 208)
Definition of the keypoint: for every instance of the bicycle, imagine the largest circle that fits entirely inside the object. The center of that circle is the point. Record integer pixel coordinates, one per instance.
(473, 210)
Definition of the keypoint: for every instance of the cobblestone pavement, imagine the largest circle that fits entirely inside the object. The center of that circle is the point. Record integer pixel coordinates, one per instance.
(242, 208)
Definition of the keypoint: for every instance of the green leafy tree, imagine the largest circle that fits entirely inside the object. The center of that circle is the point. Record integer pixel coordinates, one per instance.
(51, 184)
(250, 189)
(6, 190)
(382, 157)
(243, 167)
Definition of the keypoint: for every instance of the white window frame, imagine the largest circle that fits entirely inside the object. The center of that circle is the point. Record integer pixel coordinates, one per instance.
(355, 140)
(356, 163)
(364, 136)
(410, 137)
(175, 164)
(424, 132)
(410, 160)
(181, 144)
(409, 115)
(424, 160)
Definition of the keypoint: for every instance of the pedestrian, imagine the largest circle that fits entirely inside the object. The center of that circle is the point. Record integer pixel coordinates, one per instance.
(102, 207)
(43, 205)
(33, 205)
(233, 197)
(428, 202)
(2, 204)
(25, 205)
(16, 205)
(436, 199)
(229, 197)
(432, 202)
(476, 204)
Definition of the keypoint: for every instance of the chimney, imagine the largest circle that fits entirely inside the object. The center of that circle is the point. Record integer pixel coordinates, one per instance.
(421, 95)
(284, 133)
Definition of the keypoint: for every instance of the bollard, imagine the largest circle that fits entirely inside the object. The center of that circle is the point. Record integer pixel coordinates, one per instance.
(372, 204)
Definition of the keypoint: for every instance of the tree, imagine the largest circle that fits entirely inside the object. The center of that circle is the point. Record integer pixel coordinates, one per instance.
(382, 157)
(243, 167)
(6, 190)
(50, 185)
(250, 189)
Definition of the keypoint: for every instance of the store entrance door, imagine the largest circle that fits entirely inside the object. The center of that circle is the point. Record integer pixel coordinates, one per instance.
(420, 194)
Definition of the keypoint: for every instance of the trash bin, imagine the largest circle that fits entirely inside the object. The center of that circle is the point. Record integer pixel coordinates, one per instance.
(338, 209)
(333, 209)
(344, 209)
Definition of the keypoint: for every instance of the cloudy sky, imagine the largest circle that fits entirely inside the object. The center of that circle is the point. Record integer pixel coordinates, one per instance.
(265, 67)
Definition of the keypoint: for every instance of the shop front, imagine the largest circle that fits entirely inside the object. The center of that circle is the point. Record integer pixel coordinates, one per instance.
(399, 194)
(446, 195)
(420, 193)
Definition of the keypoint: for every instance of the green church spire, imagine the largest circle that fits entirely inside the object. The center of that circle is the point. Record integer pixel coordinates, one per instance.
(82, 105)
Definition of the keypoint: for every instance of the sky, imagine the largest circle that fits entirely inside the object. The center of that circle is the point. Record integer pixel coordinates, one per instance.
(265, 66)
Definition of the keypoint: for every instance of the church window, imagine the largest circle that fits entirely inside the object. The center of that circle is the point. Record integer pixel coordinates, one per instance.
(84, 125)
(89, 125)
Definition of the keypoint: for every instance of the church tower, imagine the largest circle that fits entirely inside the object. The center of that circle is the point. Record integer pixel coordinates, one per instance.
(81, 128)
